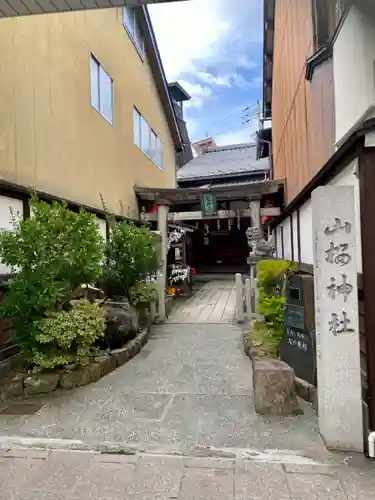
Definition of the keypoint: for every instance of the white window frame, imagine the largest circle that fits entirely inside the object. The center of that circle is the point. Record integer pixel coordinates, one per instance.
(134, 29)
(151, 145)
(97, 91)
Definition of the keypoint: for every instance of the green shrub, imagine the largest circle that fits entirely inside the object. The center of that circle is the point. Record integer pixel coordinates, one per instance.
(68, 336)
(266, 338)
(271, 275)
(132, 255)
(271, 279)
(50, 254)
(142, 294)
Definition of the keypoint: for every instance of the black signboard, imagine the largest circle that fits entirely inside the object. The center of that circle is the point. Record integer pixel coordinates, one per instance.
(297, 347)
(298, 350)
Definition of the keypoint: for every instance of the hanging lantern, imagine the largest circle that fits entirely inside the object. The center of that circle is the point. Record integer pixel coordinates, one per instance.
(218, 224)
(229, 224)
(238, 219)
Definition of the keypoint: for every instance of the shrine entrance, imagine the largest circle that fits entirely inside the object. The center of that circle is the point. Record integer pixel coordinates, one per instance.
(220, 246)
(216, 218)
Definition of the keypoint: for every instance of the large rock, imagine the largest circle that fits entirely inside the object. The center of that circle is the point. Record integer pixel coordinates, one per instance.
(274, 388)
(41, 383)
(122, 323)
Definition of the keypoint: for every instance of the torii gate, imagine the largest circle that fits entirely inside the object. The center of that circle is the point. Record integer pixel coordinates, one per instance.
(15, 8)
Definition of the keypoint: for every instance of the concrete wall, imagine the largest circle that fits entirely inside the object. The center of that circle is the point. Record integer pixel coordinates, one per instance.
(51, 136)
(353, 67)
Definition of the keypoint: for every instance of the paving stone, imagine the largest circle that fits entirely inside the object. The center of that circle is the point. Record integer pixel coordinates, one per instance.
(210, 463)
(157, 476)
(311, 469)
(115, 458)
(207, 484)
(358, 484)
(315, 487)
(15, 474)
(261, 481)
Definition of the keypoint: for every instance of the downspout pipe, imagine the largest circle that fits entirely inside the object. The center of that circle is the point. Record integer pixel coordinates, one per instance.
(371, 445)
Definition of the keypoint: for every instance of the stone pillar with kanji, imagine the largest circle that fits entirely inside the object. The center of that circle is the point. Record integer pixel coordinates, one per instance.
(336, 318)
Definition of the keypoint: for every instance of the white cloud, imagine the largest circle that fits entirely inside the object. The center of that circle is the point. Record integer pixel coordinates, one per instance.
(238, 137)
(199, 94)
(201, 33)
(221, 80)
(187, 31)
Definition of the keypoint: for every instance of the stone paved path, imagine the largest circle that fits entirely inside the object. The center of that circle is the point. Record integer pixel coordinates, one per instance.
(190, 386)
(189, 391)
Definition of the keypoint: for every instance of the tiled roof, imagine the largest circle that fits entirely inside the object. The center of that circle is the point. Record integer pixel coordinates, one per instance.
(224, 160)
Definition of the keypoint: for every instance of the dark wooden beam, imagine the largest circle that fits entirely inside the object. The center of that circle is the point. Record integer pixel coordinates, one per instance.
(254, 190)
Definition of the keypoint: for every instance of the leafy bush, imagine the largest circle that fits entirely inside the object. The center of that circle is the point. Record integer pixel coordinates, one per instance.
(142, 294)
(271, 275)
(49, 255)
(67, 336)
(271, 278)
(132, 255)
(266, 338)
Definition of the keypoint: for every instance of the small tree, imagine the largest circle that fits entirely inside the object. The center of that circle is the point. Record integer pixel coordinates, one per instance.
(132, 255)
(49, 254)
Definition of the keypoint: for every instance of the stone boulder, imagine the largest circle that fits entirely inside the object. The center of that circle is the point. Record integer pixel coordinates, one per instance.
(41, 383)
(274, 388)
(122, 323)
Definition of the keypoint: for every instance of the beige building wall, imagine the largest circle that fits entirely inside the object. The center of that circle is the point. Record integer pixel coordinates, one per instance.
(50, 135)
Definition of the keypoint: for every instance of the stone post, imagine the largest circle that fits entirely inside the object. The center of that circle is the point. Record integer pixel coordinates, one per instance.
(160, 286)
(163, 209)
(336, 318)
(256, 219)
(239, 299)
(248, 298)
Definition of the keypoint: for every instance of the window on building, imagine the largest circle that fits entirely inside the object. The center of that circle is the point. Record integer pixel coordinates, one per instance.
(159, 160)
(147, 140)
(101, 90)
(131, 23)
(137, 127)
(327, 15)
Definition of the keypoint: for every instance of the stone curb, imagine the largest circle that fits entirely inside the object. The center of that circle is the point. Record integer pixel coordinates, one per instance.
(308, 392)
(22, 385)
(117, 448)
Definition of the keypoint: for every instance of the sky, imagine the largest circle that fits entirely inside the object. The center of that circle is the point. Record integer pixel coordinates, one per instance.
(214, 49)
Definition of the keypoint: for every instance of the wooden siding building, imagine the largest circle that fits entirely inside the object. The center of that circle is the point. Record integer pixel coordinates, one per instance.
(319, 91)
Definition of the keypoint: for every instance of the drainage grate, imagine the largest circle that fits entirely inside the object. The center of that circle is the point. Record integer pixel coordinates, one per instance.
(21, 409)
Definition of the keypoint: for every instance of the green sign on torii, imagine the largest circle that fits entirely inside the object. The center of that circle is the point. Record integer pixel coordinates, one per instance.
(208, 204)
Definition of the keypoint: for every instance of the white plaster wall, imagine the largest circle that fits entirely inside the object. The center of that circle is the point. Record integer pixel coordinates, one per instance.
(347, 177)
(287, 239)
(279, 252)
(295, 235)
(353, 68)
(6, 204)
(305, 217)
